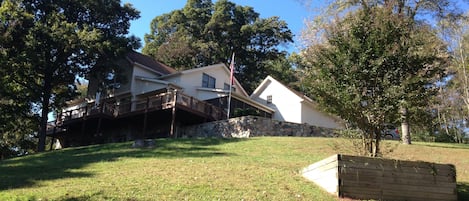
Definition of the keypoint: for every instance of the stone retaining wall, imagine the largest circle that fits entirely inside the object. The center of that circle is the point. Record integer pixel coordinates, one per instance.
(252, 126)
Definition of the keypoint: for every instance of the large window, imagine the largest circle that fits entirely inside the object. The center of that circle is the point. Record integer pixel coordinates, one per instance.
(208, 81)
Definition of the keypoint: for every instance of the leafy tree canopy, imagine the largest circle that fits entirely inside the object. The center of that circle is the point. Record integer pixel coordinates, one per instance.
(371, 63)
(203, 33)
(46, 44)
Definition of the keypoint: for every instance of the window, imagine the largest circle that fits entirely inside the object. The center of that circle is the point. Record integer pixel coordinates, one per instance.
(208, 81)
(269, 99)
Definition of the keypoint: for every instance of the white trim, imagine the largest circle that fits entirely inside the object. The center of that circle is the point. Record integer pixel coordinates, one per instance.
(120, 94)
(141, 78)
(218, 90)
(262, 86)
(156, 80)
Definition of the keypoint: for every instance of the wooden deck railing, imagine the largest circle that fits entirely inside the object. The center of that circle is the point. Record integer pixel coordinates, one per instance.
(150, 103)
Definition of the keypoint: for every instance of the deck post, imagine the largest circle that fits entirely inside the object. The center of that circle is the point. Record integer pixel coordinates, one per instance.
(161, 102)
(83, 126)
(145, 118)
(98, 128)
(70, 115)
(51, 143)
(173, 118)
(192, 102)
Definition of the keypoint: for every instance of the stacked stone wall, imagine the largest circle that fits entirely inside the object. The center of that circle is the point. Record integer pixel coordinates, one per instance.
(253, 126)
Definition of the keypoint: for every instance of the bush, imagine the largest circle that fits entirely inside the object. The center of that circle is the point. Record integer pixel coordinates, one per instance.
(238, 112)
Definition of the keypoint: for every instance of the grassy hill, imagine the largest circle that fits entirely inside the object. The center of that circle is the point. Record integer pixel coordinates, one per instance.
(264, 168)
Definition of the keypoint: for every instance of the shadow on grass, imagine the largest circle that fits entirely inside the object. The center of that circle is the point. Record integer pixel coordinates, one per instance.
(463, 191)
(26, 171)
(78, 198)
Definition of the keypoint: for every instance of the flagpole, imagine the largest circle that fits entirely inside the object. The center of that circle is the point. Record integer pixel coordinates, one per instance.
(231, 85)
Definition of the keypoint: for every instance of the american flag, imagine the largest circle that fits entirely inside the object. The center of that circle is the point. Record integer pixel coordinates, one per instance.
(232, 69)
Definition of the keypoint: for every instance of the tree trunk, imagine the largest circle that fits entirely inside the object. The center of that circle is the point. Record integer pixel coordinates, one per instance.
(405, 127)
(44, 118)
(377, 139)
(41, 146)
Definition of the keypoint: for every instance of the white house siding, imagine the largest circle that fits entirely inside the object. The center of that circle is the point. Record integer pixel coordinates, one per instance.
(291, 106)
(136, 84)
(313, 117)
(142, 87)
(286, 104)
(191, 81)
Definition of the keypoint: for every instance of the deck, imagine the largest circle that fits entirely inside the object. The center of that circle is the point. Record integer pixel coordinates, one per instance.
(164, 107)
(166, 100)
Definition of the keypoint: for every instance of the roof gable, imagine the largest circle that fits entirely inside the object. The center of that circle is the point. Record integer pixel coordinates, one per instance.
(150, 63)
(268, 80)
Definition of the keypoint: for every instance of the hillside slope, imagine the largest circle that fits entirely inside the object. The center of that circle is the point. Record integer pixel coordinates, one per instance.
(264, 168)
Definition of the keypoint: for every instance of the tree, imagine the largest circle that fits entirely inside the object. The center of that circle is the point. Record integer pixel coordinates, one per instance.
(59, 41)
(450, 114)
(17, 122)
(418, 12)
(370, 62)
(203, 33)
(453, 108)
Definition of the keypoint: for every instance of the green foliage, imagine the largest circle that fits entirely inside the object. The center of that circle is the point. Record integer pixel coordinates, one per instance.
(203, 33)
(82, 89)
(238, 112)
(373, 63)
(16, 132)
(423, 134)
(45, 45)
(281, 69)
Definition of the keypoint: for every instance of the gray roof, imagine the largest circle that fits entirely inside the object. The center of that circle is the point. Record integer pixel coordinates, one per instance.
(150, 63)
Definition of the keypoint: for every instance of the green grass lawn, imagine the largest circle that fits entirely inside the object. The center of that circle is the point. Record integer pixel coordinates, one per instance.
(263, 168)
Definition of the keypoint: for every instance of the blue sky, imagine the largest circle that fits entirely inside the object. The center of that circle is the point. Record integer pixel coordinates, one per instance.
(292, 11)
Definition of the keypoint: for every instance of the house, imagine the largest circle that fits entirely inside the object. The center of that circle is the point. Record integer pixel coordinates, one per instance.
(154, 102)
(292, 106)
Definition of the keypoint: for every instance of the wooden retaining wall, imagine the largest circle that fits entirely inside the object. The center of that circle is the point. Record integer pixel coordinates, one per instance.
(383, 179)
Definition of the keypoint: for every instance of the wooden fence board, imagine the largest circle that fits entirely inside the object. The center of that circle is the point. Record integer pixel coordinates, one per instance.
(370, 192)
(393, 176)
(392, 162)
(383, 179)
(399, 187)
(381, 167)
(404, 182)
